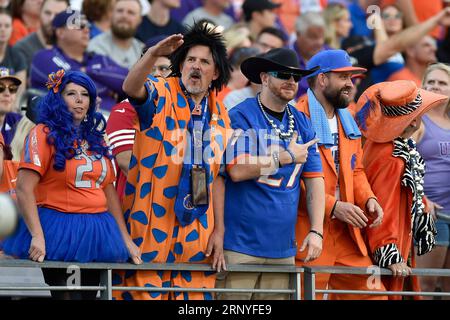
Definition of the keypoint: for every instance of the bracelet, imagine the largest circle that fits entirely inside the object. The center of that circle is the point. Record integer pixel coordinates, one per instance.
(316, 232)
(291, 154)
(276, 158)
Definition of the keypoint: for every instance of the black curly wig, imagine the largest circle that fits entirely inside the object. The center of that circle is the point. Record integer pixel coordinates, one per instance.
(200, 34)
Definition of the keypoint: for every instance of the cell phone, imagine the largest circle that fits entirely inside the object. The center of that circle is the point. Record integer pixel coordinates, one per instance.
(199, 186)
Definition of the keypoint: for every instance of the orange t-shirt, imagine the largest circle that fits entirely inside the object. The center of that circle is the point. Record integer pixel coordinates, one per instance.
(19, 31)
(76, 189)
(289, 11)
(405, 74)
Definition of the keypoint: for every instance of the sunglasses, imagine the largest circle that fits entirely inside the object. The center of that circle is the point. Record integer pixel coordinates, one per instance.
(285, 75)
(386, 16)
(12, 88)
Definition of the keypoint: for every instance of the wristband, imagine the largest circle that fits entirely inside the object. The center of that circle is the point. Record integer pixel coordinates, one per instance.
(291, 154)
(316, 232)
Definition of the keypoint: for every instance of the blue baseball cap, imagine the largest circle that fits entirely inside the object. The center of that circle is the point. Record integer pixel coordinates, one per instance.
(69, 18)
(332, 61)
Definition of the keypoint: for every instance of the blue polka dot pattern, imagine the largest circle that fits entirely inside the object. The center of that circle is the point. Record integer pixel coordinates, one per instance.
(182, 124)
(126, 215)
(160, 274)
(138, 241)
(170, 257)
(158, 210)
(160, 172)
(192, 236)
(154, 133)
(169, 149)
(129, 189)
(127, 296)
(199, 256)
(170, 123)
(175, 232)
(133, 162)
(129, 273)
(149, 161)
(149, 256)
(160, 105)
(203, 219)
(178, 248)
(140, 216)
(116, 279)
(177, 293)
(181, 101)
(186, 276)
(159, 235)
(170, 192)
(221, 123)
(145, 189)
(153, 294)
(219, 140)
(207, 296)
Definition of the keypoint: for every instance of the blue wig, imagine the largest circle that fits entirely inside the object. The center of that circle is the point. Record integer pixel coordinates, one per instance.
(63, 134)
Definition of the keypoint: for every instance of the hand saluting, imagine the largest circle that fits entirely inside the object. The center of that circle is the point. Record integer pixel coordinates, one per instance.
(300, 151)
(167, 46)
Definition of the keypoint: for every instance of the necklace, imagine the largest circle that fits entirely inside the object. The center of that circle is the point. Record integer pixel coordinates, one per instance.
(283, 135)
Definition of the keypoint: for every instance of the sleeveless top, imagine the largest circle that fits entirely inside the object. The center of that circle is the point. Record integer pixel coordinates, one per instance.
(435, 150)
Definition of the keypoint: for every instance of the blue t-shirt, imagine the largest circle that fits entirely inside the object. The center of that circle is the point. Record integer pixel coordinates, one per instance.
(260, 214)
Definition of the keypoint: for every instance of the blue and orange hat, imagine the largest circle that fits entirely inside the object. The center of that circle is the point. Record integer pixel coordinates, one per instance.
(332, 61)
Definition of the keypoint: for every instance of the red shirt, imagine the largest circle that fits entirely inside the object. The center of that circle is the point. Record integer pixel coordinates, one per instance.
(121, 127)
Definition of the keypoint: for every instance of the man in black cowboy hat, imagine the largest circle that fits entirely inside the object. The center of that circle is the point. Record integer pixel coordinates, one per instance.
(272, 148)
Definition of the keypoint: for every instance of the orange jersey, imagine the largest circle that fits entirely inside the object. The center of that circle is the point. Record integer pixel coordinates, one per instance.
(78, 188)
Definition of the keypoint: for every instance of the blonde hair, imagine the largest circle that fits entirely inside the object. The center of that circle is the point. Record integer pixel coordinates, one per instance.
(235, 36)
(437, 66)
(332, 13)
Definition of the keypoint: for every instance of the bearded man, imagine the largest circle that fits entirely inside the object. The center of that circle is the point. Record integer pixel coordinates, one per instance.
(350, 204)
(119, 43)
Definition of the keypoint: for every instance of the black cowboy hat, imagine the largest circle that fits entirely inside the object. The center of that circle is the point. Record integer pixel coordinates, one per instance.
(279, 59)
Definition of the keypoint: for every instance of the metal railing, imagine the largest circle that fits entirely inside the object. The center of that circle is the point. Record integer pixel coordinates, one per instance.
(106, 286)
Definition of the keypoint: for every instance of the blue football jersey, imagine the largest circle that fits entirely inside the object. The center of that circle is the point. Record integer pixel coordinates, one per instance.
(260, 214)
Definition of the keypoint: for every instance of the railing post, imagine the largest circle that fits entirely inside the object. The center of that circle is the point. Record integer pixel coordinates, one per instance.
(297, 283)
(106, 281)
(310, 284)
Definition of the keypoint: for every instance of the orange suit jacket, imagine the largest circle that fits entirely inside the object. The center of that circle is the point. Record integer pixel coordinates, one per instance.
(353, 184)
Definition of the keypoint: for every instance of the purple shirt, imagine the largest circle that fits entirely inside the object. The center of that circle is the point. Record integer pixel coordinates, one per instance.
(435, 150)
(107, 75)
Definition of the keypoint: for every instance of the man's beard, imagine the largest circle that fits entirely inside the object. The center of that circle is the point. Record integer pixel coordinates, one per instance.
(123, 32)
(336, 98)
(280, 95)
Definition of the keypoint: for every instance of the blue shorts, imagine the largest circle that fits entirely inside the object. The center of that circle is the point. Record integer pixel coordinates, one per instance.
(443, 233)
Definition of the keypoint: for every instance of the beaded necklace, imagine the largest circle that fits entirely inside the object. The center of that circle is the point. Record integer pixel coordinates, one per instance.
(283, 135)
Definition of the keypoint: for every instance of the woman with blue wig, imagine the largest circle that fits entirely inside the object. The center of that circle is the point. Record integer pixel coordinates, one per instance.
(65, 190)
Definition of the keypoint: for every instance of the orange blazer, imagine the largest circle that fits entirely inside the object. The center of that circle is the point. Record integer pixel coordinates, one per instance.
(353, 184)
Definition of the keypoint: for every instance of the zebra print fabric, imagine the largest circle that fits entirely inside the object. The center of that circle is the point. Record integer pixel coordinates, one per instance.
(386, 255)
(424, 229)
(395, 111)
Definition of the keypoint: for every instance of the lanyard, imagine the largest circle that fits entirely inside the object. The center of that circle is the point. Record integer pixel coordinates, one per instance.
(197, 135)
